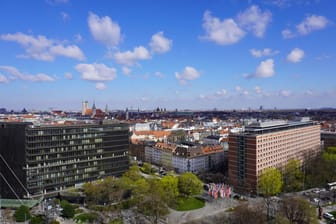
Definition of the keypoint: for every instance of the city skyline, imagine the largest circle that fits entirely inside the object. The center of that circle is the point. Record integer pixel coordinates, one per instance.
(169, 54)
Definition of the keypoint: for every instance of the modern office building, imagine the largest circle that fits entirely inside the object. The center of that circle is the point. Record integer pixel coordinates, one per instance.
(328, 139)
(269, 144)
(40, 160)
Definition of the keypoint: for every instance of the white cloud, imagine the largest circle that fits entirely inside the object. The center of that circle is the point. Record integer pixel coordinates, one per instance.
(104, 30)
(265, 69)
(65, 16)
(160, 44)
(285, 93)
(100, 86)
(68, 75)
(39, 77)
(308, 25)
(295, 55)
(78, 37)
(42, 48)
(96, 72)
(159, 75)
(254, 20)
(264, 52)
(238, 88)
(257, 89)
(286, 34)
(312, 23)
(3, 79)
(221, 92)
(131, 57)
(188, 74)
(126, 70)
(221, 32)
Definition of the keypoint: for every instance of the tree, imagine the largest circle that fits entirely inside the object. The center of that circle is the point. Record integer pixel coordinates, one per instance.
(329, 157)
(298, 210)
(293, 177)
(68, 209)
(189, 184)
(270, 183)
(170, 186)
(147, 168)
(37, 220)
(22, 214)
(150, 199)
(244, 214)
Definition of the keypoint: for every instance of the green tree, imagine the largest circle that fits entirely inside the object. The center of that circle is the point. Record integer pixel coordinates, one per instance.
(22, 214)
(189, 184)
(329, 158)
(293, 176)
(269, 184)
(170, 186)
(68, 209)
(297, 210)
(147, 168)
(152, 200)
(37, 220)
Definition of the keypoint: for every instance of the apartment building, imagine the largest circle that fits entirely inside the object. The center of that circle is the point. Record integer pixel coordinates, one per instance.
(183, 158)
(41, 160)
(269, 144)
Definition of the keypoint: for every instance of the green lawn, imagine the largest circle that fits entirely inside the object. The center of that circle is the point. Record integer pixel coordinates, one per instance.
(189, 203)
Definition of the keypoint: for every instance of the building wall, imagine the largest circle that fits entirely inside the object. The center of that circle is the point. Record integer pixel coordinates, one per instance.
(57, 157)
(249, 155)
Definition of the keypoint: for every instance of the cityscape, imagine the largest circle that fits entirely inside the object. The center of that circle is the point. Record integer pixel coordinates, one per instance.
(167, 112)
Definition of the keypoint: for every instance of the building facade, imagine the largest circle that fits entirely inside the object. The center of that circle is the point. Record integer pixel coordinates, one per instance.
(269, 144)
(41, 160)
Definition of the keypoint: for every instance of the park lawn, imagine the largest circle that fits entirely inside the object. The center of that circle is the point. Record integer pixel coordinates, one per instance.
(188, 203)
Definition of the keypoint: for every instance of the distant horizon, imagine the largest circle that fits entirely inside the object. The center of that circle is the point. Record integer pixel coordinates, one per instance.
(174, 54)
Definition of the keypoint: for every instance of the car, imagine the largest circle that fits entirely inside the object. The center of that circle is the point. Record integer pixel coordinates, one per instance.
(328, 216)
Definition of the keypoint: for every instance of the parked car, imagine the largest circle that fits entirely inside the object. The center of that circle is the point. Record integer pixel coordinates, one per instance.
(328, 216)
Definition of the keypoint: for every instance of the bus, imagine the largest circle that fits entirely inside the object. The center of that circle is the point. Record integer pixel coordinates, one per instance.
(331, 186)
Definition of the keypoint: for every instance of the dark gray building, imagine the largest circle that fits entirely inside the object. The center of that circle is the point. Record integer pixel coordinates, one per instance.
(41, 160)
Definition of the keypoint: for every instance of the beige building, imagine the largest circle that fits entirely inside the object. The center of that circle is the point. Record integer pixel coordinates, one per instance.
(269, 144)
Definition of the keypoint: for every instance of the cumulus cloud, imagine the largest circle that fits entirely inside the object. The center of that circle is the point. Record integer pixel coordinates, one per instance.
(100, 86)
(189, 73)
(131, 57)
(308, 25)
(254, 20)
(126, 70)
(285, 93)
(264, 52)
(238, 88)
(230, 31)
(257, 89)
(3, 79)
(222, 32)
(65, 16)
(159, 75)
(104, 30)
(42, 48)
(96, 72)
(295, 55)
(68, 75)
(221, 92)
(160, 44)
(265, 69)
(16, 74)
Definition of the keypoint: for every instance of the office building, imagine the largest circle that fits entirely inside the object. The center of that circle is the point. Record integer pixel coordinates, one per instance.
(41, 160)
(269, 144)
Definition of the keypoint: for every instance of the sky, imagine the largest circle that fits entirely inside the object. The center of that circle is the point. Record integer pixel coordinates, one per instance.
(190, 54)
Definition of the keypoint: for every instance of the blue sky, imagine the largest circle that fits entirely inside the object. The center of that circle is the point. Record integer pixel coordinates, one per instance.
(224, 54)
